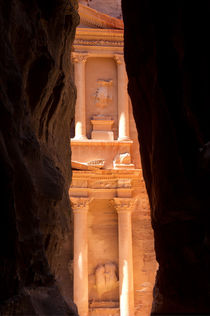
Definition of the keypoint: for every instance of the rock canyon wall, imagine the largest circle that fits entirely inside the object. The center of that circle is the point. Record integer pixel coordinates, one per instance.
(110, 7)
(167, 56)
(37, 97)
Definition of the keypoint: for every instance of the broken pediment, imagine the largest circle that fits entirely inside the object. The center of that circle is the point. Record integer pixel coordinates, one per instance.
(123, 161)
(91, 165)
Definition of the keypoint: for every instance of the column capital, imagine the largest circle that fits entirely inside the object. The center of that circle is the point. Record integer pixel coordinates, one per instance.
(125, 205)
(119, 58)
(80, 204)
(79, 57)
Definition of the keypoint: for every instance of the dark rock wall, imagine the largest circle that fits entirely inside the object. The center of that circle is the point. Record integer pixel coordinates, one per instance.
(167, 55)
(37, 97)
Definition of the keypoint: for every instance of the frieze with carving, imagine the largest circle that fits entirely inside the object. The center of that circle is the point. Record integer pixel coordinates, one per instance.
(124, 183)
(98, 43)
(103, 184)
(79, 183)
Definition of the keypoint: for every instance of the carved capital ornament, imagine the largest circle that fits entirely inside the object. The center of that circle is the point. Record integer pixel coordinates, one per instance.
(80, 204)
(125, 205)
(119, 59)
(79, 58)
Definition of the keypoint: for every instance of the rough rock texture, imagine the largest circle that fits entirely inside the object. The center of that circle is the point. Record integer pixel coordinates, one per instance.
(37, 97)
(110, 7)
(167, 56)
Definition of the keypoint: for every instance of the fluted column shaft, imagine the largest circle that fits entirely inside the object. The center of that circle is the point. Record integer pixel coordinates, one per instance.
(123, 111)
(80, 208)
(80, 111)
(124, 210)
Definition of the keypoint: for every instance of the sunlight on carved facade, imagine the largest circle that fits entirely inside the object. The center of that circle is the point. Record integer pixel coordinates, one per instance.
(114, 260)
(80, 266)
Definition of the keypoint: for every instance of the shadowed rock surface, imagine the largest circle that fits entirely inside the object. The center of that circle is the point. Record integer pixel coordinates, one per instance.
(167, 55)
(37, 97)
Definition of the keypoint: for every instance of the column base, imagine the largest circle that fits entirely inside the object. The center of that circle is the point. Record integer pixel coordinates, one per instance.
(82, 137)
(124, 138)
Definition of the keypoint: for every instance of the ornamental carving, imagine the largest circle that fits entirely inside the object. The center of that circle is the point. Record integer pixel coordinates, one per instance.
(124, 183)
(103, 95)
(119, 59)
(78, 57)
(98, 43)
(103, 184)
(124, 158)
(125, 204)
(106, 277)
(80, 203)
(79, 183)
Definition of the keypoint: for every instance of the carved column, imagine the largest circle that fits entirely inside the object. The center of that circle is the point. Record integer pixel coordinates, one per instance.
(80, 115)
(123, 114)
(125, 207)
(80, 208)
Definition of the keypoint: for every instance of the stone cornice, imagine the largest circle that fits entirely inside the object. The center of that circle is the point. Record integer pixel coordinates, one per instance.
(93, 142)
(97, 38)
(97, 34)
(84, 42)
(113, 174)
(98, 19)
(116, 184)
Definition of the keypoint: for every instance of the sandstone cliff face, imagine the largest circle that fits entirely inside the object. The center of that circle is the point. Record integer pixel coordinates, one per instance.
(110, 7)
(167, 56)
(37, 97)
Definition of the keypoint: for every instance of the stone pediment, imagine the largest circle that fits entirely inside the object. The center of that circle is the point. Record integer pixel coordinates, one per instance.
(91, 165)
(94, 19)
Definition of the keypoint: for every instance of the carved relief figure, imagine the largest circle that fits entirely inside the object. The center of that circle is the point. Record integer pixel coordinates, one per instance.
(106, 277)
(103, 93)
(123, 158)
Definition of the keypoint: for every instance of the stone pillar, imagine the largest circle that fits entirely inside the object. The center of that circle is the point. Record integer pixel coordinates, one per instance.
(80, 116)
(125, 207)
(80, 208)
(123, 112)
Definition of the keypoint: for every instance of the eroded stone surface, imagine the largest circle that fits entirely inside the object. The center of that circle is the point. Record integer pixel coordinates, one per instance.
(109, 7)
(37, 104)
(167, 58)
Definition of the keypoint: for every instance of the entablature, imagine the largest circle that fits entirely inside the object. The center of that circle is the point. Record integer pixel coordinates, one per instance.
(105, 183)
(91, 40)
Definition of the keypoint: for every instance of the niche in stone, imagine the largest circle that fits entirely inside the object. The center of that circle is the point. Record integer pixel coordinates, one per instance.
(106, 277)
(103, 251)
(103, 95)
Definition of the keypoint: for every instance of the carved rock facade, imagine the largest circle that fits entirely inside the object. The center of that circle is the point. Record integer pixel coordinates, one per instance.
(114, 262)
